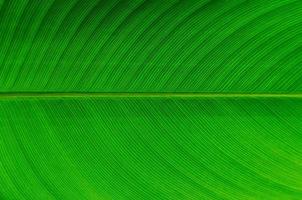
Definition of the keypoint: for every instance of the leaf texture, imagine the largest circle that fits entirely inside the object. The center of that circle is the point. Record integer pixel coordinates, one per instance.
(151, 46)
(150, 99)
(161, 148)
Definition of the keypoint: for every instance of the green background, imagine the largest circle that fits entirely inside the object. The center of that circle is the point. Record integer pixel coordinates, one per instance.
(154, 99)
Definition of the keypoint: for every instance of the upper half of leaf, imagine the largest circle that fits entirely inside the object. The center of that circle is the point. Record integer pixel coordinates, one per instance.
(151, 46)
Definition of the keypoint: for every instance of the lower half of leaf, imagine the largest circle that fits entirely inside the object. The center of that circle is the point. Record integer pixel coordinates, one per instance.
(151, 148)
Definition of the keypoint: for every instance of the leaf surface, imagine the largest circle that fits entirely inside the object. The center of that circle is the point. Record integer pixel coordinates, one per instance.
(160, 148)
(151, 46)
(150, 99)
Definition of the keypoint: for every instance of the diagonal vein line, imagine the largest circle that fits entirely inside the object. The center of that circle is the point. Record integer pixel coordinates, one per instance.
(7, 95)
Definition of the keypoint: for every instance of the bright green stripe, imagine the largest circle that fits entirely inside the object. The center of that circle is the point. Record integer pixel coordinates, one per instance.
(146, 95)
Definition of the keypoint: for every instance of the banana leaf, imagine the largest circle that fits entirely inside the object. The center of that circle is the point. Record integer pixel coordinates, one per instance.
(150, 99)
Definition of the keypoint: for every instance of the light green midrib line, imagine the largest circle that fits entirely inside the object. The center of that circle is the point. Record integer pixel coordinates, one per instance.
(12, 95)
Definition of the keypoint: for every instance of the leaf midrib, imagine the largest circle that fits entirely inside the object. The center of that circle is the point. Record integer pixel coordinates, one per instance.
(143, 94)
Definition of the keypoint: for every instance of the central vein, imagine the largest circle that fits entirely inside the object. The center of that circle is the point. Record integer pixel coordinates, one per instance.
(142, 94)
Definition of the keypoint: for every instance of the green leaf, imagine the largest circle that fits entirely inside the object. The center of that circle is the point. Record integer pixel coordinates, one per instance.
(151, 46)
(160, 148)
(150, 99)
